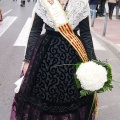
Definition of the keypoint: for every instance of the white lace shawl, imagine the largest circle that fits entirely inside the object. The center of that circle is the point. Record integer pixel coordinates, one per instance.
(76, 10)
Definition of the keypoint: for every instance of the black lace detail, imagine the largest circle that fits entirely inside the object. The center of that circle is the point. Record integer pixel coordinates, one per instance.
(32, 113)
(49, 86)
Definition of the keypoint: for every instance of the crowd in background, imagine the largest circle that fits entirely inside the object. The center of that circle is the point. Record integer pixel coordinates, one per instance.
(98, 6)
(22, 4)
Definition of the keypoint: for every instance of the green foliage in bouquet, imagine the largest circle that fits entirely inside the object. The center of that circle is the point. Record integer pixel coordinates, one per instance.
(107, 86)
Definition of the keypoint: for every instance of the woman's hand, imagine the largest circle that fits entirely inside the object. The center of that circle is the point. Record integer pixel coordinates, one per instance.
(25, 67)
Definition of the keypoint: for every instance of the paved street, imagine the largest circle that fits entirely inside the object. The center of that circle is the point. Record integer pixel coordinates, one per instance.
(13, 39)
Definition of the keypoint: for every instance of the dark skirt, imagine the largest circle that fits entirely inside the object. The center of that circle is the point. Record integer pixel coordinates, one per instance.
(49, 91)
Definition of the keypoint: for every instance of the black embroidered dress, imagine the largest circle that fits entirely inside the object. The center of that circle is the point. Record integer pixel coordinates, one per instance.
(49, 91)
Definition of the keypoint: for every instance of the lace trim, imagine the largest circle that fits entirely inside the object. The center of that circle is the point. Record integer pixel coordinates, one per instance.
(76, 11)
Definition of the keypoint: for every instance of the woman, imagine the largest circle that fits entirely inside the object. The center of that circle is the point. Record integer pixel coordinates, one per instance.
(49, 91)
(111, 5)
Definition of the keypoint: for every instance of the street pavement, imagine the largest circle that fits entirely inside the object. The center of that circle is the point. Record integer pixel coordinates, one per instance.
(13, 40)
(112, 35)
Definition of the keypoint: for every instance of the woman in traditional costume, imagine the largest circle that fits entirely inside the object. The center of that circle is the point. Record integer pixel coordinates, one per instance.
(49, 91)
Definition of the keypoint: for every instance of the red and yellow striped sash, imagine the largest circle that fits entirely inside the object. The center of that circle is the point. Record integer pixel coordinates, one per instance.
(68, 33)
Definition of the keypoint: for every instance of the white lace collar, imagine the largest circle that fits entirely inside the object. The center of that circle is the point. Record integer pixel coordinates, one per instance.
(76, 10)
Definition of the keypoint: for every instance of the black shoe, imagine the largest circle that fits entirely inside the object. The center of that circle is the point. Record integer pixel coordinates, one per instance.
(22, 5)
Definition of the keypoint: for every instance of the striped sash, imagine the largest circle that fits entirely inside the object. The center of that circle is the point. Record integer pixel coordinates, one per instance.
(60, 20)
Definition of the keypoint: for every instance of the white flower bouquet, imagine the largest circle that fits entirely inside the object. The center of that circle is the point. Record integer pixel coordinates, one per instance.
(93, 76)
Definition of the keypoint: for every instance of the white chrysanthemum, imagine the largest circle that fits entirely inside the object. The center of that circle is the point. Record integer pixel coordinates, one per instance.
(91, 76)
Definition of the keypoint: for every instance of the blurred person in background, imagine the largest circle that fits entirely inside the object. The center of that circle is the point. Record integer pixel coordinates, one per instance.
(1, 15)
(102, 7)
(111, 6)
(93, 5)
(22, 3)
(118, 9)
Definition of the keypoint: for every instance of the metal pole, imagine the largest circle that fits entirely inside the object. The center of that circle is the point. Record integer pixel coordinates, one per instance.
(105, 24)
(93, 17)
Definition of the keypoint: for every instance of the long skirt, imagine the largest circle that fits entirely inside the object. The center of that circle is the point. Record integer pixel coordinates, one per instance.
(49, 91)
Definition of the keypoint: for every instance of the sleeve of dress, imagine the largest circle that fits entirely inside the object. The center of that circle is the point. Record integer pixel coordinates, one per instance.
(86, 38)
(34, 36)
